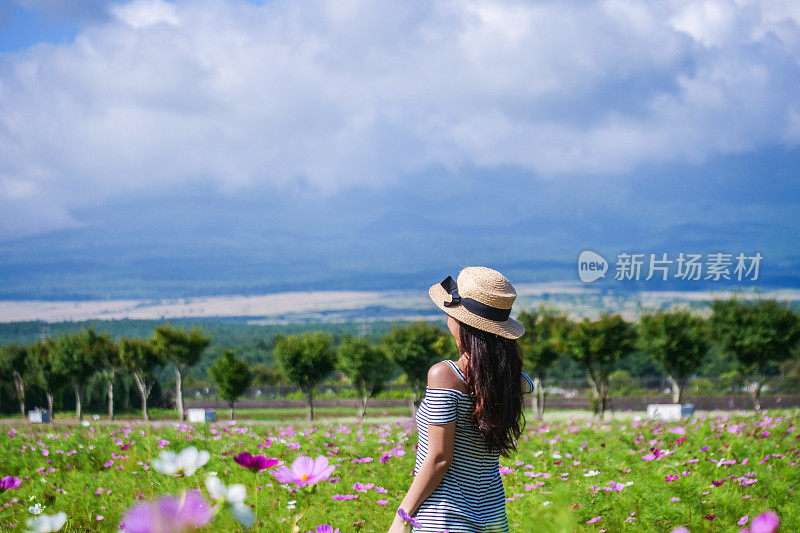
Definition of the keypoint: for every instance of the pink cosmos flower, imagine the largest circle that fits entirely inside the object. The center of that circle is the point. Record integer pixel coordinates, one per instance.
(767, 522)
(743, 520)
(9, 482)
(304, 471)
(593, 520)
(680, 529)
(325, 528)
(255, 463)
(169, 514)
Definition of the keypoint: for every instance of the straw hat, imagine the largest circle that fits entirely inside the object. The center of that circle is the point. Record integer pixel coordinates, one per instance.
(480, 297)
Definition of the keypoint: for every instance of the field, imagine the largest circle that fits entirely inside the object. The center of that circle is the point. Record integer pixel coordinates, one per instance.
(708, 473)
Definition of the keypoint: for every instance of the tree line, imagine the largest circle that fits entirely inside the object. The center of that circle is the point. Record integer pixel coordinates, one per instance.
(756, 334)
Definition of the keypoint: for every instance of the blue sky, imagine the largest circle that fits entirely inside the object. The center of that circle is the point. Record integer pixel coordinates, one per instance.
(357, 136)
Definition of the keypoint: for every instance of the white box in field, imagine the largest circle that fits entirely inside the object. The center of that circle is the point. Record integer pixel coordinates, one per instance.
(664, 411)
(196, 415)
(37, 417)
(201, 415)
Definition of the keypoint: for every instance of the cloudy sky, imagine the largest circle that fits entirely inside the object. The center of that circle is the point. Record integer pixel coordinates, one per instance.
(340, 135)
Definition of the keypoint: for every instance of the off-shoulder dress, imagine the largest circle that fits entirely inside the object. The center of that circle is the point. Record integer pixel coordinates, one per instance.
(470, 497)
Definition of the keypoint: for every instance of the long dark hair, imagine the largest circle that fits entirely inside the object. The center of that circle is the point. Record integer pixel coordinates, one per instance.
(494, 373)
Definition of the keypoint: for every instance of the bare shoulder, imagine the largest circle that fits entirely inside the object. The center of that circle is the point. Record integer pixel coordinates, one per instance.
(441, 376)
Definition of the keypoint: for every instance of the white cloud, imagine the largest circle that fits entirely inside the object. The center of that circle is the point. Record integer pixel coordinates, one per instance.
(146, 13)
(338, 93)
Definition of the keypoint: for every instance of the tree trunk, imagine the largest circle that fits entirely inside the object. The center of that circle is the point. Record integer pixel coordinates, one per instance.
(677, 387)
(49, 396)
(110, 400)
(19, 386)
(757, 394)
(144, 392)
(596, 388)
(232, 410)
(602, 394)
(179, 393)
(363, 410)
(310, 406)
(78, 411)
(538, 398)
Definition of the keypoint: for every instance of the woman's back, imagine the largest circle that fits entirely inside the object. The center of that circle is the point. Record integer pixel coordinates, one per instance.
(470, 497)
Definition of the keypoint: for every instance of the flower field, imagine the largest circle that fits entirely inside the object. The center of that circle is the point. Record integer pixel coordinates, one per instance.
(708, 473)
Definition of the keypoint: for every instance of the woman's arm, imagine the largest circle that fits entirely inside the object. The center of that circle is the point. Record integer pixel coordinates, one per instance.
(440, 454)
(441, 440)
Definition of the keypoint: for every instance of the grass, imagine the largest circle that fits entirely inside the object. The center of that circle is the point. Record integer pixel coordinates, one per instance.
(568, 470)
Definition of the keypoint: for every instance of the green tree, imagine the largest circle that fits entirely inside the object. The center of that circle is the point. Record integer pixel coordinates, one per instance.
(78, 356)
(263, 374)
(415, 348)
(232, 376)
(366, 366)
(306, 359)
(183, 350)
(540, 346)
(757, 335)
(678, 341)
(41, 355)
(14, 365)
(141, 358)
(598, 345)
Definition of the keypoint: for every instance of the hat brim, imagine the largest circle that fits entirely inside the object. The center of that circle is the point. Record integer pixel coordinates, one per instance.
(510, 329)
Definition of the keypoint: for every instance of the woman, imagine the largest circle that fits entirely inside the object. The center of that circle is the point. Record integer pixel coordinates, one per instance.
(471, 411)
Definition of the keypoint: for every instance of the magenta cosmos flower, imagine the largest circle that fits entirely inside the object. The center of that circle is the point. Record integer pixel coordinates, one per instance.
(256, 463)
(304, 471)
(9, 482)
(767, 522)
(170, 514)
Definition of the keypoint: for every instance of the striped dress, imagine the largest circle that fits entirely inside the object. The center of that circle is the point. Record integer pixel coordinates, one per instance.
(470, 497)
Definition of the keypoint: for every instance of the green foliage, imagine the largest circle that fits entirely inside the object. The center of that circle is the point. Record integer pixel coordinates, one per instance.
(41, 357)
(181, 348)
(79, 355)
(265, 375)
(13, 360)
(598, 345)
(140, 356)
(415, 348)
(306, 359)
(540, 344)
(678, 341)
(231, 375)
(755, 334)
(366, 366)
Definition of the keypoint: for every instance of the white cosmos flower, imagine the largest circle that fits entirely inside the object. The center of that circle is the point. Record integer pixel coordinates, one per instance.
(85, 423)
(47, 523)
(186, 462)
(592, 473)
(546, 503)
(233, 497)
(36, 509)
